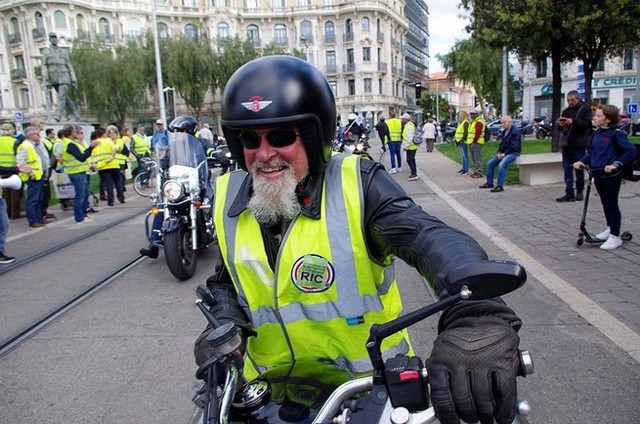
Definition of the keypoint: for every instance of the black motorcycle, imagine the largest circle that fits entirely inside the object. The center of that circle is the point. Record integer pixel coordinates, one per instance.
(397, 391)
(542, 128)
(185, 205)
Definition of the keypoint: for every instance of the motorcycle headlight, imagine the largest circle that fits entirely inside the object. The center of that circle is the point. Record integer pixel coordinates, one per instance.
(360, 147)
(172, 190)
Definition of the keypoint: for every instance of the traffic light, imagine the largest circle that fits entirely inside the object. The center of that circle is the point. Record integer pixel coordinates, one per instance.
(418, 91)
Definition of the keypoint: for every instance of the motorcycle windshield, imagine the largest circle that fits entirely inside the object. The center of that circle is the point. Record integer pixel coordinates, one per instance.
(183, 151)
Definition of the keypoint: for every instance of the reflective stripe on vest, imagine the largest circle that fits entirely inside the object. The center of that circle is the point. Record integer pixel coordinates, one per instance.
(102, 155)
(140, 145)
(121, 158)
(323, 295)
(7, 151)
(395, 129)
(33, 160)
(472, 131)
(71, 164)
(460, 131)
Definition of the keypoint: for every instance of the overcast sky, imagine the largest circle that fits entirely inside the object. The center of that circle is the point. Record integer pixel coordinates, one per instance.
(445, 28)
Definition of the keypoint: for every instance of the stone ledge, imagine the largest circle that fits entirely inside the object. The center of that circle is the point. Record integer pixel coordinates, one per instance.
(540, 168)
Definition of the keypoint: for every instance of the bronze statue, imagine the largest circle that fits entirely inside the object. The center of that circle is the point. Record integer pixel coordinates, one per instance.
(58, 73)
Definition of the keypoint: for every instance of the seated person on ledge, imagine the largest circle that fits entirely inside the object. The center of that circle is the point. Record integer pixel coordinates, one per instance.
(508, 151)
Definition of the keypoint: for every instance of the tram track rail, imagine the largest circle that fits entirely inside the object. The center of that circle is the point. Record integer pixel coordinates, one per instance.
(28, 330)
(14, 341)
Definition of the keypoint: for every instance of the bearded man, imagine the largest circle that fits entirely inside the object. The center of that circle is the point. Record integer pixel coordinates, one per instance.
(307, 242)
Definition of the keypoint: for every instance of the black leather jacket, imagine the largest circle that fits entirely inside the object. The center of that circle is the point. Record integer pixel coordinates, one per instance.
(394, 225)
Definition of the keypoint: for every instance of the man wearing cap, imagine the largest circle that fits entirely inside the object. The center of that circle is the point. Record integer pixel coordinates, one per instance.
(475, 139)
(160, 136)
(28, 155)
(408, 128)
(58, 73)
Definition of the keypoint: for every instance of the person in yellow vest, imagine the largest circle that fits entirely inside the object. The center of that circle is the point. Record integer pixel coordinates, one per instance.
(395, 141)
(460, 138)
(76, 157)
(122, 151)
(108, 167)
(408, 129)
(8, 145)
(27, 155)
(48, 141)
(475, 139)
(307, 244)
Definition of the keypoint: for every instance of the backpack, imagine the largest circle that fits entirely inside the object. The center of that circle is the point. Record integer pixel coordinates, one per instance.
(417, 135)
(487, 133)
(631, 170)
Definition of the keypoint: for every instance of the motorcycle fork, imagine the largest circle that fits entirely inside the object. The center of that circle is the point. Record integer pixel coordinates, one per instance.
(194, 228)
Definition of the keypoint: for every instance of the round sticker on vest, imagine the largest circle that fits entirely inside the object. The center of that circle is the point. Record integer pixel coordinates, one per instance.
(312, 274)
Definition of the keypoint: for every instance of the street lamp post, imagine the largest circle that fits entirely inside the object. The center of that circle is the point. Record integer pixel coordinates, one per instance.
(156, 49)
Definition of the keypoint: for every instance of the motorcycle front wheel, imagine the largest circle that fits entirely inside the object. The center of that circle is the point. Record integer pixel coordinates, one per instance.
(541, 135)
(181, 258)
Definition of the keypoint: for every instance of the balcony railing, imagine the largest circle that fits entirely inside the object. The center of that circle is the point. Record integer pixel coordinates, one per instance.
(256, 42)
(17, 74)
(396, 44)
(348, 36)
(380, 36)
(281, 41)
(329, 38)
(382, 66)
(349, 67)
(15, 38)
(39, 33)
(331, 69)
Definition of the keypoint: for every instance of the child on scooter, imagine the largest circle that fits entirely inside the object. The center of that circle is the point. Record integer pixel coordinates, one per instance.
(610, 150)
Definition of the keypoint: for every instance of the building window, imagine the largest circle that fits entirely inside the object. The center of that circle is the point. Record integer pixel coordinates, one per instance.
(38, 20)
(366, 54)
(277, 5)
(329, 32)
(223, 30)
(59, 20)
(188, 3)
(280, 34)
(380, 85)
(24, 99)
(253, 34)
(163, 30)
(304, 2)
(350, 57)
(602, 96)
(334, 88)
(628, 57)
(600, 65)
(220, 3)
(365, 24)
(541, 68)
(305, 32)
(251, 5)
(190, 31)
(367, 85)
(331, 62)
(352, 87)
(104, 30)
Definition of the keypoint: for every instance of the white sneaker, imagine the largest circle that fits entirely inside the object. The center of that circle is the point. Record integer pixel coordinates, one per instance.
(604, 235)
(612, 242)
(400, 169)
(88, 218)
(392, 171)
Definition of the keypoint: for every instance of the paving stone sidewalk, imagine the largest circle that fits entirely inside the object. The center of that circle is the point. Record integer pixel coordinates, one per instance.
(530, 218)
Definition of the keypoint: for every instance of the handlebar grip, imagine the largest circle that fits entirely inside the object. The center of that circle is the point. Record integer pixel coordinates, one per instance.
(526, 363)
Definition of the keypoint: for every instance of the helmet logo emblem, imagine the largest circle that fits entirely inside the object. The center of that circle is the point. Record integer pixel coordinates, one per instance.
(256, 104)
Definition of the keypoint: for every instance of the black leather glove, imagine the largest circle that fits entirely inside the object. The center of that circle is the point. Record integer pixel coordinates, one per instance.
(472, 371)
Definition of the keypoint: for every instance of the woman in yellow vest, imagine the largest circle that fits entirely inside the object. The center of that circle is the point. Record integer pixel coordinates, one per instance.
(26, 154)
(122, 151)
(75, 156)
(108, 167)
(307, 243)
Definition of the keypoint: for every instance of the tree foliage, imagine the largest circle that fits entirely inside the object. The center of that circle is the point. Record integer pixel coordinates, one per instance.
(564, 30)
(111, 82)
(478, 65)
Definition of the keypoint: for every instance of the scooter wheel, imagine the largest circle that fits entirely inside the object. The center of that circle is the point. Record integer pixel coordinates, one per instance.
(580, 241)
(626, 236)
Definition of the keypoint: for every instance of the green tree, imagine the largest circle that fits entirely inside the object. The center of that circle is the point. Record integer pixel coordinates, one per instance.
(111, 81)
(232, 54)
(476, 64)
(188, 65)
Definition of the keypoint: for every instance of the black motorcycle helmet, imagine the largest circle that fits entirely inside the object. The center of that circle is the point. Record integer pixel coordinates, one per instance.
(281, 90)
(184, 123)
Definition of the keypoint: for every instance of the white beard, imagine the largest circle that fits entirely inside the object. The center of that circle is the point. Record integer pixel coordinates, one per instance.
(274, 200)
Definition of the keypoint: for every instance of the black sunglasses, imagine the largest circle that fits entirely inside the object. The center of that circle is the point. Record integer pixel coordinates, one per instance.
(276, 138)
